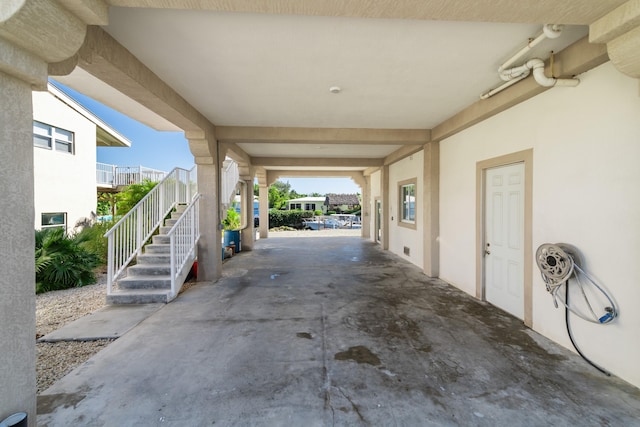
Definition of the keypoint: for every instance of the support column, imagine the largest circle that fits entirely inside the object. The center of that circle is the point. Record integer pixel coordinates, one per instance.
(386, 208)
(431, 209)
(17, 281)
(365, 208)
(205, 151)
(263, 197)
(248, 234)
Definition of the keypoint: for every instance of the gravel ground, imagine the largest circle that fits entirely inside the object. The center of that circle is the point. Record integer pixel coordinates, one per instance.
(53, 311)
(56, 309)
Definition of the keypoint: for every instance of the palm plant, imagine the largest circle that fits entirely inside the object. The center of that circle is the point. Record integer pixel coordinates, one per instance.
(61, 261)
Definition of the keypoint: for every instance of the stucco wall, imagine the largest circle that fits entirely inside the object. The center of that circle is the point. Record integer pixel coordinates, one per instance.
(585, 192)
(64, 182)
(401, 237)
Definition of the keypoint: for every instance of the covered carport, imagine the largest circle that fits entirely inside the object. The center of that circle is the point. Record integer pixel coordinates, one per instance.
(367, 90)
(327, 331)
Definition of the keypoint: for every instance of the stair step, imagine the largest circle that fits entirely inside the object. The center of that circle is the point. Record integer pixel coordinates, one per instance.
(159, 238)
(165, 229)
(170, 222)
(140, 296)
(149, 270)
(154, 258)
(145, 282)
(157, 248)
(181, 208)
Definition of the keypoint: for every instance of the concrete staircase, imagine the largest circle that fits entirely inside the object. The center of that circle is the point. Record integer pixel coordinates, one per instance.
(149, 280)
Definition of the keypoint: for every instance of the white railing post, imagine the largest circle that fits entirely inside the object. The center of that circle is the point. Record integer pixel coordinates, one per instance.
(172, 256)
(110, 260)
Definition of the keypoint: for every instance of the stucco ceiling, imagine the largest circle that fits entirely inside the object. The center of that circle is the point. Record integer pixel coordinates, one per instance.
(271, 64)
(276, 70)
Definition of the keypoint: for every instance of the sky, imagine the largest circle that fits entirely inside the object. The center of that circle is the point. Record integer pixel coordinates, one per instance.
(167, 150)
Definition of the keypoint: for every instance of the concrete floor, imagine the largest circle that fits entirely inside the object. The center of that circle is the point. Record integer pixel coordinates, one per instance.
(333, 331)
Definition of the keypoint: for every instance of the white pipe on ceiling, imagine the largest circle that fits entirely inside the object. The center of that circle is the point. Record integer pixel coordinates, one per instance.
(514, 74)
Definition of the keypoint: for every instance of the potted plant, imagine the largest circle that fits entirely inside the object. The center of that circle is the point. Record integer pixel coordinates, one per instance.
(231, 225)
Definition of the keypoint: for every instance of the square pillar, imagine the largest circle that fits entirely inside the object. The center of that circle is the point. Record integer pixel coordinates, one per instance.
(263, 197)
(366, 208)
(386, 208)
(210, 243)
(17, 281)
(248, 234)
(431, 209)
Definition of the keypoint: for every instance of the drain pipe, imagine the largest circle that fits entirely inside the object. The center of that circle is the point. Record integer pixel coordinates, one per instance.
(521, 72)
(549, 31)
(511, 75)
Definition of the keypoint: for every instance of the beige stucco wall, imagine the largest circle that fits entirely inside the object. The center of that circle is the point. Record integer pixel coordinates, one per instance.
(64, 182)
(399, 237)
(585, 192)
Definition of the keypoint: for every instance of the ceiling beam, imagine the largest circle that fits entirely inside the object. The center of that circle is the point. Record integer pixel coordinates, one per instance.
(290, 135)
(524, 11)
(234, 152)
(401, 153)
(314, 162)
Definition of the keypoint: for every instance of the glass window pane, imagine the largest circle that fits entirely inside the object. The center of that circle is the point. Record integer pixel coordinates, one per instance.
(57, 218)
(408, 203)
(41, 141)
(63, 146)
(41, 129)
(64, 135)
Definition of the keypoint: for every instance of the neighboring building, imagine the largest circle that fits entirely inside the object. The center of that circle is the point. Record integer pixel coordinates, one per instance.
(65, 136)
(342, 202)
(308, 204)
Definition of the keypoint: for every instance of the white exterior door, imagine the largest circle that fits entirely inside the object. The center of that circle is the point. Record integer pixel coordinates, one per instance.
(504, 238)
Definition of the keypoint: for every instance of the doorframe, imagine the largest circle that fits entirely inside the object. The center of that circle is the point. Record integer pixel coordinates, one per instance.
(526, 157)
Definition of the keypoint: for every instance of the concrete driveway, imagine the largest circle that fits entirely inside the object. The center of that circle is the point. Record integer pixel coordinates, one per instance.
(333, 331)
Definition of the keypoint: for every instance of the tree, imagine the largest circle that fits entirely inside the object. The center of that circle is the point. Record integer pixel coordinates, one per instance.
(132, 195)
(107, 203)
(279, 193)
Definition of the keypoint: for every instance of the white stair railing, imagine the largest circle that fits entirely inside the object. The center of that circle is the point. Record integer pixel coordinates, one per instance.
(129, 234)
(183, 237)
(228, 179)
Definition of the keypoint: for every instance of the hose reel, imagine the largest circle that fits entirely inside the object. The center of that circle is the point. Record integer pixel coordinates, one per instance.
(558, 263)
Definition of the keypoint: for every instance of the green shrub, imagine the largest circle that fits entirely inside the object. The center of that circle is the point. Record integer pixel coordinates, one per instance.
(130, 197)
(288, 218)
(92, 239)
(232, 221)
(61, 261)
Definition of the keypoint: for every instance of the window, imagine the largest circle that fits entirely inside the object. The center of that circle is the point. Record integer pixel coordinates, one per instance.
(52, 138)
(309, 206)
(295, 206)
(407, 205)
(54, 220)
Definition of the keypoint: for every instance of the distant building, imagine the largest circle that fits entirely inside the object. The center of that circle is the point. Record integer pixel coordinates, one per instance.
(308, 204)
(65, 136)
(342, 202)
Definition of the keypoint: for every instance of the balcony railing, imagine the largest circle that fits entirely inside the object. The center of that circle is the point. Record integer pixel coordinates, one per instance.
(116, 176)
